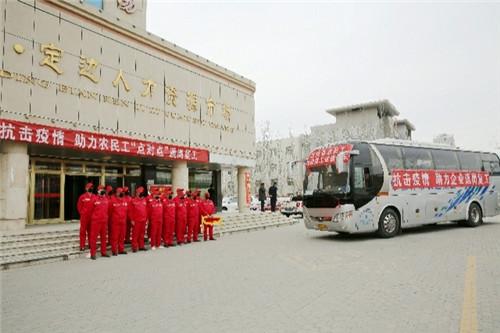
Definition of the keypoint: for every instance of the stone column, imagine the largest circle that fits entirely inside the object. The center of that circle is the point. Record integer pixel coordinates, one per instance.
(242, 192)
(14, 180)
(180, 176)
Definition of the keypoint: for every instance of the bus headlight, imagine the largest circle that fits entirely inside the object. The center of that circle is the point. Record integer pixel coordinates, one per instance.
(341, 217)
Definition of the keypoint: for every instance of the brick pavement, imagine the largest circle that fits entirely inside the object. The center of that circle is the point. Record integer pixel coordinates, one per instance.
(287, 279)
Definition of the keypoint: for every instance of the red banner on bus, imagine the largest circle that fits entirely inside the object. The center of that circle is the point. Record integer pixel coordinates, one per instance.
(413, 179)
(327, 155)
(60, 137)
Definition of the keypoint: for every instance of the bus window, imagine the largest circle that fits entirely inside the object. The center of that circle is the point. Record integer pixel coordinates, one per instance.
(392, 156)
(417, 158)
(445, 159)
(469, 160)
(491, 163)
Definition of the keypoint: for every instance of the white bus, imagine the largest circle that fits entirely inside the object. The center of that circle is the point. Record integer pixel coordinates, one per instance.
(388, 185)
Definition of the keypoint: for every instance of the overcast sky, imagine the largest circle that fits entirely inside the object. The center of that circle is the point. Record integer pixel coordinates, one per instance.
(438, 64)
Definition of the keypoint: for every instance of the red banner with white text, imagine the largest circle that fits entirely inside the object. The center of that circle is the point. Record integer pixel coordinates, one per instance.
(327, 155)
(12, 130)
(413, 179)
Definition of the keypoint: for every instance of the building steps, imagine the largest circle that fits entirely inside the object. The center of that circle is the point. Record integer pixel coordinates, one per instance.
(36, 245)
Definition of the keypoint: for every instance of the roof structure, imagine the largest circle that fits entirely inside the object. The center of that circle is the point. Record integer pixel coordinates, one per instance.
(383, 106)
(405, 122)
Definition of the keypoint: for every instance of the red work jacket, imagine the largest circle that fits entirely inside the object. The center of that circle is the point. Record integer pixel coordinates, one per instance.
(118, 210)
(100, 212)
(85, 205)
(138, 210)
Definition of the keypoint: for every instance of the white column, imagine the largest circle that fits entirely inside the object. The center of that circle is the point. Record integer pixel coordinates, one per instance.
(180, 175)
(242, 193)
(14, 162)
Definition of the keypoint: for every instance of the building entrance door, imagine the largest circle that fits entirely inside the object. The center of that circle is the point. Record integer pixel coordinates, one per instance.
(74, 186)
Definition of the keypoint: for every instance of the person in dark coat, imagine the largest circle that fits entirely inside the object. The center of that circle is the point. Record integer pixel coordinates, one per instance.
(273, 193)
(213, 194)
(262, 196)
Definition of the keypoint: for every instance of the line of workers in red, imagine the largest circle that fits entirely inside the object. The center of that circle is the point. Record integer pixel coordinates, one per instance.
(123, 218)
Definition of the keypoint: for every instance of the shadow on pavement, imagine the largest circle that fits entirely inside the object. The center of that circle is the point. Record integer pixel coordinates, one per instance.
(343, 237)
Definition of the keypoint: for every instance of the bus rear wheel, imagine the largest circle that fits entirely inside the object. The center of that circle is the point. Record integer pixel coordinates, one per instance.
(388, 224)
(475, 216)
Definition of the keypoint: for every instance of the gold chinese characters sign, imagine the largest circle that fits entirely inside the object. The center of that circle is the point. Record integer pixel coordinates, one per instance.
(89, 68)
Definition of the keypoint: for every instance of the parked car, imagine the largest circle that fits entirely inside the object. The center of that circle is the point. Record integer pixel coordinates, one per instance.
(293, 206)
(229, 204)
(255, 204)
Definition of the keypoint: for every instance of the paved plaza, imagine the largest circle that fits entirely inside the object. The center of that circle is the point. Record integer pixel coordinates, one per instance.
(284, 279)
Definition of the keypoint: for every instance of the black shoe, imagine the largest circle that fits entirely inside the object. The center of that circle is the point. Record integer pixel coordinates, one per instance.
(188, 242)
(196, 240)
(123, 252)
(105, 255)
(93, 257)
(143, 249)
(82, 249)
(115, 254)
(134, 251)
(212, 238)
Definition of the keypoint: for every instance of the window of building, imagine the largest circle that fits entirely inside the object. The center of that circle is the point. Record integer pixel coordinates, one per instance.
(163, 176)
(469, 160)
(200, 179)
(445, 159)
(95, 3)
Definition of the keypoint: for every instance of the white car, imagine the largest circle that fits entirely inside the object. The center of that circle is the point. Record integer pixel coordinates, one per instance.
(293, 206)
(230, 204)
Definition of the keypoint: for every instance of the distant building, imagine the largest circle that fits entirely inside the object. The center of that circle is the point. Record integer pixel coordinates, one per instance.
(445, 139)
(280, 160)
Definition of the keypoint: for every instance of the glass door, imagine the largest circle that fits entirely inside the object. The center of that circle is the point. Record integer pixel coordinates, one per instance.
(46, 192)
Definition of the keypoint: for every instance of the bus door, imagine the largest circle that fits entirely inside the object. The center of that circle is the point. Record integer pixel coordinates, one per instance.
(366, 176)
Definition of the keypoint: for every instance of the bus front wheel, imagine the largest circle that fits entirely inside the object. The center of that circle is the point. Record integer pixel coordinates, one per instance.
(475, 216)
(389, 224)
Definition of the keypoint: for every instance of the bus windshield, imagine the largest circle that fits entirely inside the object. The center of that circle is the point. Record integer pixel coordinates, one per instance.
(326, 179)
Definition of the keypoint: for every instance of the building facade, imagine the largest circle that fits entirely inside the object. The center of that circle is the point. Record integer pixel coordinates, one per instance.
(87, 94)
(281, 160)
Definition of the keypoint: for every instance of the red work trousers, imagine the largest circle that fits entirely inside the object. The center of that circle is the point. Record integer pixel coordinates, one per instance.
(138, 231)
(128, 231)
(190, 231)
(180, 230)
(155, 233)
(208, 229)
(98, 228)
(168, 229)
(84, 230)
(118, 237)
(196, 230)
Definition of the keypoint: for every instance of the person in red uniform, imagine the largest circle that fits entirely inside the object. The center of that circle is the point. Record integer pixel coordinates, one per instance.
(155, 217)
(138, 217)
(84, 207)
(180, 216)
(149, 199)
(99, 222)
(193, 216)
(208, 208)
(109, 194)
(128, 199)
(118, 214)
(197, 226)
(168, 227)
